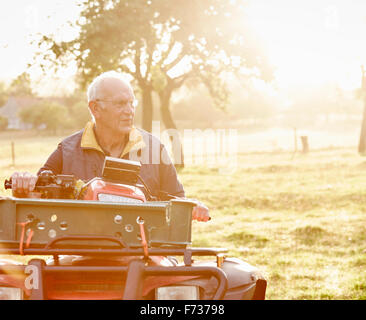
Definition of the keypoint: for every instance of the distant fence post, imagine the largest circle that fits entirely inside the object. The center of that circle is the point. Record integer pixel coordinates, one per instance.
(12, 154)
(295, 141)
(305, 144)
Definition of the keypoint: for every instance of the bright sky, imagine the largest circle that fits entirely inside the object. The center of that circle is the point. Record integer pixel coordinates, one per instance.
(310, 42)
(19, 20)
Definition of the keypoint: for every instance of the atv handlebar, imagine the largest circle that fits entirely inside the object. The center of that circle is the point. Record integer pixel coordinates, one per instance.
(52, 186)
(7, 184)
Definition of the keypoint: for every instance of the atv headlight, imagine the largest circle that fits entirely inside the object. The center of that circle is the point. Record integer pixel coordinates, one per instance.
(9, 293)
(177, 293)
(114, 198)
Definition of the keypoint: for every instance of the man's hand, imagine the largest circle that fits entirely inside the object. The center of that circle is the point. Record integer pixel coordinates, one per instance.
(200, 212)
(23, 183)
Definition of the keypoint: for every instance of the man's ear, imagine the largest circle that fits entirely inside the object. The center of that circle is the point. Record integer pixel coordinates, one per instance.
(93, 107)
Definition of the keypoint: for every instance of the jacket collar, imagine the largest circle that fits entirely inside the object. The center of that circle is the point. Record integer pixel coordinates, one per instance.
(89, 141)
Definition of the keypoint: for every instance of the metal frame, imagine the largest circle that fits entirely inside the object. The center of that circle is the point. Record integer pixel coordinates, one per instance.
(136, 270)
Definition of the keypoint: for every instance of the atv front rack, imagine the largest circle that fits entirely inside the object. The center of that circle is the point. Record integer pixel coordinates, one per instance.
(96, 229)
(38, 221)
(186, 253)
(136, 270)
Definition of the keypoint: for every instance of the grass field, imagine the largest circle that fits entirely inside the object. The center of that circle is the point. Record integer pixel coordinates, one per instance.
(299, 218)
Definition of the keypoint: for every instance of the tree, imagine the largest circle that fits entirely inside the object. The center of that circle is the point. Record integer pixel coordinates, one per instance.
(49, 114)
(32, 115)
(4, 94)
(362, 140)
(3, 123)
(79, 114)
(21, 86)
(161, 46)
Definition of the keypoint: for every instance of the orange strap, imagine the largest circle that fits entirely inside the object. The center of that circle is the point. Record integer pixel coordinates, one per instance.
(143, 240)
(29, 238)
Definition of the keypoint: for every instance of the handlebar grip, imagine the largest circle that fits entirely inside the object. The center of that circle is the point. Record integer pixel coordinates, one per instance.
(7, 184)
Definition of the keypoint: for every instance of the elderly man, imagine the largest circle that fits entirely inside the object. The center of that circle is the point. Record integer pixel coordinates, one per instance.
(112, 105)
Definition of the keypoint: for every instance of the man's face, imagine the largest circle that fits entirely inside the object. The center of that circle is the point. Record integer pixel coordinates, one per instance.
(114, 107)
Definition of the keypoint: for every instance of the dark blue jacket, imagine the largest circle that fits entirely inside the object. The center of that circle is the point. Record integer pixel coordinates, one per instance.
(157, 170)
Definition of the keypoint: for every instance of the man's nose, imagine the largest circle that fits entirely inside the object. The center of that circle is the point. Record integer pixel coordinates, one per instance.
(129, 110)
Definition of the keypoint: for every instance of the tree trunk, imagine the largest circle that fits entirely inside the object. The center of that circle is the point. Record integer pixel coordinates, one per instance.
(177, 146)
(147, 109)
(362, 143)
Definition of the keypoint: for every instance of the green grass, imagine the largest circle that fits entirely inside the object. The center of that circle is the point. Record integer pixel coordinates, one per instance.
(301, 220)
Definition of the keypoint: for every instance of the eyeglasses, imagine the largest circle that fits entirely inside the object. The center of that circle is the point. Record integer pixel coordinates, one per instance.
(125, 105)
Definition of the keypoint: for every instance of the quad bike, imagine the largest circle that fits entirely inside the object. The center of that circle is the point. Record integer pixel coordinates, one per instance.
(111, 239)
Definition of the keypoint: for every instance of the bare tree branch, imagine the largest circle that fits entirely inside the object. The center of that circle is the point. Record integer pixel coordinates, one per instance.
(178, 59)
(179, 81)
(166, 53)
(126, 69)
(150, 51)
(138, 75)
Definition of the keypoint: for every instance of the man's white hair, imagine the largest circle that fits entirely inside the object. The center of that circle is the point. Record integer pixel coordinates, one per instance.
(94, 87)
